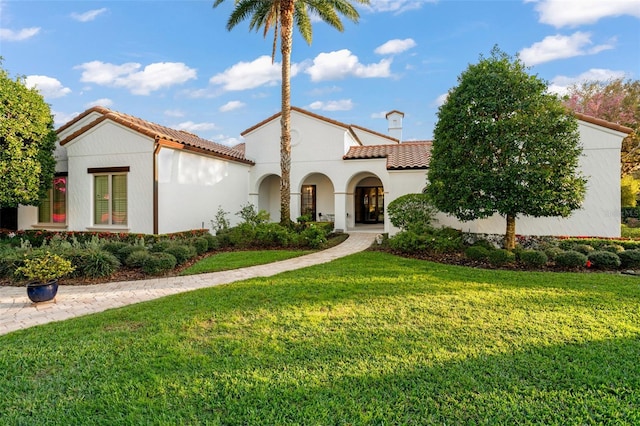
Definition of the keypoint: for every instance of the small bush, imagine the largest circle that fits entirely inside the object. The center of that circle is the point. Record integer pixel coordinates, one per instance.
(200, 244)
(411, 212)
(613, 248)
(273, 235)
(212, 242)
(114, 246)
(484, 243)
(553, 252)
(159, 263)
(126, 251)
(10, 261)
(601, 259)
(567, 244)
(95, 263)
(583, 248)
(500, 257)
(408, 242)
(181, 252)
(571, 259)
(629, 258)
(137, 259)
(312, 237)
(477, 253)
(534, 258)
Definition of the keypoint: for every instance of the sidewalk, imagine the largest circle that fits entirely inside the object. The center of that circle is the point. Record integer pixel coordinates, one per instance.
(17, 311)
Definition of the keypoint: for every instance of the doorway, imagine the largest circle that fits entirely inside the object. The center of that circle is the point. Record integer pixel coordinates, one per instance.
(308, 202)
(369, 206)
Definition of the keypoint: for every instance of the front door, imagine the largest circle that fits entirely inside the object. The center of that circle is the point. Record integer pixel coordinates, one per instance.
(369, 206)
(308, 202)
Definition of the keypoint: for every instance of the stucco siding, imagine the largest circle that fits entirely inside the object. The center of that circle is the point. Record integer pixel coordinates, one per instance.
(110, 145)
(192, 187)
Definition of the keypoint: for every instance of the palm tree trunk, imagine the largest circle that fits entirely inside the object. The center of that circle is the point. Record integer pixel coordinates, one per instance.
(286, 42)
(510, 235)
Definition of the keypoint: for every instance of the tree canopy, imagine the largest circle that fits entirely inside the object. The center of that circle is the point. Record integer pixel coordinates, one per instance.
(504, 145)
(27, 142)
(617, 101)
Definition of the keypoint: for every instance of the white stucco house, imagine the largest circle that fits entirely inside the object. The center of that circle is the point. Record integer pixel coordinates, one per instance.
(120, 173)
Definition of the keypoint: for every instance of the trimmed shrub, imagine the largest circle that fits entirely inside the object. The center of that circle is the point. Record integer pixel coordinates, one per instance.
(212, 242)
(114, 247)
(601, 259)
(567, 244)
(500, 257)
(408, 242)
(571, 259)
(583, 248)
(613, 248)
(312, 237)
(484, 243)
(629, 258)
(200, 244)
(95, 263)
(411, 212)
(181, 252)
(159, 263)
(444, 240)
(126, 251)
(160, 246)
(137, 259)
(553, 252)
(535, 258)
(477, 253)
(273, 235)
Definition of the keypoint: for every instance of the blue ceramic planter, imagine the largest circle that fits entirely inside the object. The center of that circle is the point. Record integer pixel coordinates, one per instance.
(42, 292)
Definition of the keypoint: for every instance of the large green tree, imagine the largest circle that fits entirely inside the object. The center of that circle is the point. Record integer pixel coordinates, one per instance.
(281, 16)
(27, 142)
(617, 101)
(503, 144)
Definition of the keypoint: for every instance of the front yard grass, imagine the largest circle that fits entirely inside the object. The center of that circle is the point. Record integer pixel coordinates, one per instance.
(367, 339)
(241, 259)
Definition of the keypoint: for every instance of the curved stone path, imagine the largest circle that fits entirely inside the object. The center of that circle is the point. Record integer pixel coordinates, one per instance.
(17, 311)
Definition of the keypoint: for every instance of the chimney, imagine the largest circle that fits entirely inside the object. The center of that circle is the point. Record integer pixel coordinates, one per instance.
(394, 119)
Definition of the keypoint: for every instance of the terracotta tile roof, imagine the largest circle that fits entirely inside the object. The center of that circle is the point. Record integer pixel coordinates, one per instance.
(407, 155)
(603, 123)
(157, 132)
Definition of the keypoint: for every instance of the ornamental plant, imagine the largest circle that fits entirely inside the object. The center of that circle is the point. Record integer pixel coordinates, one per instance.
(45, 268)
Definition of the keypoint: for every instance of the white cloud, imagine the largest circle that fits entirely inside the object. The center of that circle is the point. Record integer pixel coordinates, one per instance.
(561, 13)
(174, 113)
(395, 46)
(62, 118)
(560, 84)
(381, 114)
(227, 140)
(343, 63)
(88, 16)
(139, 82)
(105, 102)
(48, 87)
(231, 105)
(341, 105)
(23, 34)
(192, 127)
(249, 75)
(440, 100)
(560, 47)
(397, 6)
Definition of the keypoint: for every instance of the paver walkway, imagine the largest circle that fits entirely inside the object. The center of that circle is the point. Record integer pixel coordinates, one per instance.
(17, 311)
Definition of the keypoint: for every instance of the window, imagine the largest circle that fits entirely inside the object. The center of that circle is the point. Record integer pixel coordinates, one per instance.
(53, 208)
(110, 197)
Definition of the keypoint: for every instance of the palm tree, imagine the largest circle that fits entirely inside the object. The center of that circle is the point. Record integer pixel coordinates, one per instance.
(282, 14)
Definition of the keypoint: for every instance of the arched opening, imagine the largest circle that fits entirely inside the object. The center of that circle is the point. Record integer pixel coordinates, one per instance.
(269, 196)
(317, 198)
(368, 198)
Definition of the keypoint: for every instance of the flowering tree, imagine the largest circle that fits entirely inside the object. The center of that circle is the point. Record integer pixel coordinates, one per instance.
(617, 101)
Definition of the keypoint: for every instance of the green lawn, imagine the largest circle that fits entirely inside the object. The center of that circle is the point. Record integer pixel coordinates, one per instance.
(240, 259)
(367, 339)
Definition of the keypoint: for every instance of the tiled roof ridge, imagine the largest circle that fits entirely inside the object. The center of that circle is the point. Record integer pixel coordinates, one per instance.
(603, 123)
(399, 156)
(156, 132)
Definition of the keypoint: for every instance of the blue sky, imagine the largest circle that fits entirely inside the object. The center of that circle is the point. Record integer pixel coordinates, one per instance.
(174, 62)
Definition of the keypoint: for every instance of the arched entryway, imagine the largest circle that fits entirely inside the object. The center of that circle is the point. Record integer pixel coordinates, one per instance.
(317, 198)
(368, 197)
(269, 196)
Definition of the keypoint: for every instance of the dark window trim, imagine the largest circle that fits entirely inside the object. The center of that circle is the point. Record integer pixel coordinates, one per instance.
(94, 170)
(60, 174)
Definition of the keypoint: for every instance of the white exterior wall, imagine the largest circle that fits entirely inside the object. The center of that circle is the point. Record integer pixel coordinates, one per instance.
(192, 187)
(110, 145)
(600, 213)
